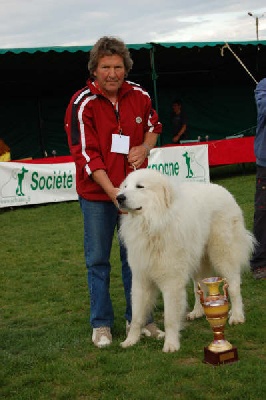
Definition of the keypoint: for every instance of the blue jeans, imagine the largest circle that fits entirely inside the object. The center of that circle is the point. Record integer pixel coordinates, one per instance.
(259, 256)
(100, 219)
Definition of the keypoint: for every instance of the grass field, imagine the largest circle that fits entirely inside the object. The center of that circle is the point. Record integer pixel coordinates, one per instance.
(46, 349)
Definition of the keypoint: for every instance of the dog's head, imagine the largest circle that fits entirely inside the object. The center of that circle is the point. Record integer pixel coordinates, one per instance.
(145, 191)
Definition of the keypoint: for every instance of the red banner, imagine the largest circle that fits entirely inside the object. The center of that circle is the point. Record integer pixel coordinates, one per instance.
(221, 152)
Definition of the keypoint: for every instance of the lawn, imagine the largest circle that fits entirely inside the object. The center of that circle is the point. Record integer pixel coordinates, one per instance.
(46, 349)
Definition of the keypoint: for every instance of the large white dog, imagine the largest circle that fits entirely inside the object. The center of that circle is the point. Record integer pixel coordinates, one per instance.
(174, 233)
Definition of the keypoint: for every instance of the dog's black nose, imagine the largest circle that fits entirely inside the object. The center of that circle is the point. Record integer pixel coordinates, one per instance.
(121, 198)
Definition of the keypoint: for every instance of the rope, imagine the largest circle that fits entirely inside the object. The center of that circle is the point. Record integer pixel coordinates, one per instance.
(238, 59)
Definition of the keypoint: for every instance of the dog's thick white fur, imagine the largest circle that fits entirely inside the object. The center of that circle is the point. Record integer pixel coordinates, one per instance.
(174, 233)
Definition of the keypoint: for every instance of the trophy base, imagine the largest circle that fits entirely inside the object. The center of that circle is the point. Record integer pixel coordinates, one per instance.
(224, 357)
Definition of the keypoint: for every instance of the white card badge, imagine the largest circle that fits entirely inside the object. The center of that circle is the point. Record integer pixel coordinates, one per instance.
(120, 144)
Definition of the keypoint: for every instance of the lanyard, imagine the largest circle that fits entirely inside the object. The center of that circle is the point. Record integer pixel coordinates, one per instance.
(115, 106)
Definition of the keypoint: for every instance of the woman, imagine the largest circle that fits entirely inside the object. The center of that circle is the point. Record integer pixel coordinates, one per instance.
(111, 127)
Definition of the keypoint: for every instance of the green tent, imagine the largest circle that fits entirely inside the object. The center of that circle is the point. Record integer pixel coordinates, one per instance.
(216, 89)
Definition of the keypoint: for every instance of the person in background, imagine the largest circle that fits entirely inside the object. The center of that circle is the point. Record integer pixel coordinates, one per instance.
(111, 128)
(258, 261)
(4, 151)
(179, 122)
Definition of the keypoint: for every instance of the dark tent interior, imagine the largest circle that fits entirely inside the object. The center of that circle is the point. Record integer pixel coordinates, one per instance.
(216, 90)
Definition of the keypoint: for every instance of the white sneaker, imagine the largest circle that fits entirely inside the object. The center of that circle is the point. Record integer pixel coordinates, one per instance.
(102, 336)
(150, 330)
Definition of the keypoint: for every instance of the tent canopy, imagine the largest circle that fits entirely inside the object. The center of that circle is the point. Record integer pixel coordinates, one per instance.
(74, 49)
(217, 92)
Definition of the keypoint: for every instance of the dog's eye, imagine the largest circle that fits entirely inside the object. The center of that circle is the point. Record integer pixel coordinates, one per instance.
(138, 186)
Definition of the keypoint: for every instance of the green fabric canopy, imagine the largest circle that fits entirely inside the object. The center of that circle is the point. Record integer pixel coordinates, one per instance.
(74, 49)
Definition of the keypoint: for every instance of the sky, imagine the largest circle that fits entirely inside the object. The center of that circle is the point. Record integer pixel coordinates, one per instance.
(47, 23)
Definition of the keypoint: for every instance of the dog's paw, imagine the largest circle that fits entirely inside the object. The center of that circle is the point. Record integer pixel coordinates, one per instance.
(236, 319)
(195, 314)
(128, 343)
(171, 347)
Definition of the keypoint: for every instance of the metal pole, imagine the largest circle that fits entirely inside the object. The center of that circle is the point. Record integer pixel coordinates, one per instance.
(257, 23)
(154, 78)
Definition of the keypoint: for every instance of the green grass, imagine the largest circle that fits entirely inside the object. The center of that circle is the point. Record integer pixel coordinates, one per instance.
(46, 349)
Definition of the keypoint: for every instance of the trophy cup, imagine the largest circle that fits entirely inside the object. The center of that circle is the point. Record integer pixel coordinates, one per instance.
(216, 307)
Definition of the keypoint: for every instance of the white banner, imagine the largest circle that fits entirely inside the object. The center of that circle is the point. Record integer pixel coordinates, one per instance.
(182, 163)
(29, 183)
(26, 183)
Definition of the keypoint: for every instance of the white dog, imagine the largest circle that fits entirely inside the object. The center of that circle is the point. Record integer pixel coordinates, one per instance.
(173, 234)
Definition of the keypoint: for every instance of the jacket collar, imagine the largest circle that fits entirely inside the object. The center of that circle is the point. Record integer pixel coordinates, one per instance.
(126, 87)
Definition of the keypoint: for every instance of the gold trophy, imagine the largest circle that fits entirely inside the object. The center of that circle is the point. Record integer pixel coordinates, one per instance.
(216, 307)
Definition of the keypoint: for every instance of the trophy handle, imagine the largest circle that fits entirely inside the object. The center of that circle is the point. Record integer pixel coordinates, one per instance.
(225, 289)
(200, 292)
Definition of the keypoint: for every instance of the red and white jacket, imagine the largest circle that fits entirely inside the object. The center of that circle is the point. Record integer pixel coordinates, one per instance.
(90, 121)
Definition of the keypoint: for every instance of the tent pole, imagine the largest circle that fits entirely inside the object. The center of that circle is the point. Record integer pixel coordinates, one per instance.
(154, 77)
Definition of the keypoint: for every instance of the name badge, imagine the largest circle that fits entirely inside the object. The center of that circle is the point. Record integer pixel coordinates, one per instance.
(120, 144)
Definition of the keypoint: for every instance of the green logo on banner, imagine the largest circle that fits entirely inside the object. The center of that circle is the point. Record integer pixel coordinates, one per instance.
(20, 178)
(189, 170)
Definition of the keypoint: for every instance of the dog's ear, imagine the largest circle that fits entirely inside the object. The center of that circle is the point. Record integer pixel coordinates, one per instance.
(168, 194)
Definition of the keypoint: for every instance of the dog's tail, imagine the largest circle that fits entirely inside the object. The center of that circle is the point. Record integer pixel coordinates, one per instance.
(248, 243)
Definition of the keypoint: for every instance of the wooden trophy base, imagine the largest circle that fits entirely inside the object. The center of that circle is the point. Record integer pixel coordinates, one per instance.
(224, 357)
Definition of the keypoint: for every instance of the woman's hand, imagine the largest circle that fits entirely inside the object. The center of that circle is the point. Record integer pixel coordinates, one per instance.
(137, 155)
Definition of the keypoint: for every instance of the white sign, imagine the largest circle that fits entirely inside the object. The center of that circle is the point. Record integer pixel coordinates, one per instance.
(23, 183)
(29, 183)
(182, 163)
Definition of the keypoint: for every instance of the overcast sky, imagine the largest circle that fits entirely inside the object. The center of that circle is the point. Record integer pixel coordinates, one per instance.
(42, 23)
